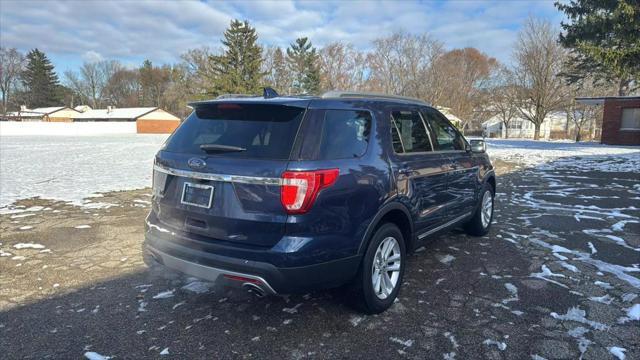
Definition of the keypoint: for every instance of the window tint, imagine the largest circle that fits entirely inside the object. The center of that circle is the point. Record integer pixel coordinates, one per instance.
(447, 138)
(345, 134)
(408, 132)
(265, 131)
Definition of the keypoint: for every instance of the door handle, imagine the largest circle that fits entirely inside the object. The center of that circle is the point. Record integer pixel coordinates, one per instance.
(405, 171)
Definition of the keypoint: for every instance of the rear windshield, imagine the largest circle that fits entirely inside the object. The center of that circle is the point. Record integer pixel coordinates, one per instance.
(263, 131)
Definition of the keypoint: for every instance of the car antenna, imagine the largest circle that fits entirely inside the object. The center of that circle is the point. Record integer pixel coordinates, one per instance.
(269, 92)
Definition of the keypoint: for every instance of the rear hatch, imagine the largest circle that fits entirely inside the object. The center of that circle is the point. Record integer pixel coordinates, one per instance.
(217, 177)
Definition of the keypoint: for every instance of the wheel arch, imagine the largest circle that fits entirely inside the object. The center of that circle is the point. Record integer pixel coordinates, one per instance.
(395, 213)
(491, 179)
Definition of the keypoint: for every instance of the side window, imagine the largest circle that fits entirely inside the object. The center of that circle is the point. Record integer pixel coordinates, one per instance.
(408, 132)
(345, 134)
(447, 138)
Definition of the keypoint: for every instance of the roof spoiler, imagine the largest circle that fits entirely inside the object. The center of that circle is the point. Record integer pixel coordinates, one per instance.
(267, 93)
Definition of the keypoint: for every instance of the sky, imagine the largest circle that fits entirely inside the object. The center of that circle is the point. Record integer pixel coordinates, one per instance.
(71, 32)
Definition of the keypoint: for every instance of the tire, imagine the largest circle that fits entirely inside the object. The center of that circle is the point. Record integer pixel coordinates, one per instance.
(476, 226)
(366, 298)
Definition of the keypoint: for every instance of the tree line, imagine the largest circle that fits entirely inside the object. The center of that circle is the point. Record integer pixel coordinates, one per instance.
(598, 54)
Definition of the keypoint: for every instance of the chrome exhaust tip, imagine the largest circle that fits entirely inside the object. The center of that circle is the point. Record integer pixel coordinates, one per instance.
(254, 289)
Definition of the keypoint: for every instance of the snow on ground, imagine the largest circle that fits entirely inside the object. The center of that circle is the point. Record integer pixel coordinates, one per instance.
(72, 168)
(16, 128)
(562, 153)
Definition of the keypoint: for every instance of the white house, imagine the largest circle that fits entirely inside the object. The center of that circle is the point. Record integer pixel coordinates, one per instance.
(554, 126)
(53, 114)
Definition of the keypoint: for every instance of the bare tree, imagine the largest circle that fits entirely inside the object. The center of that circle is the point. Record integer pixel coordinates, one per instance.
(277, 73)
(539, 59)
(92, 79)
(200, 72)
(123, 89)
(461, 75)
(401, 64)
(11, 64)
(502, 98)
(341, 67)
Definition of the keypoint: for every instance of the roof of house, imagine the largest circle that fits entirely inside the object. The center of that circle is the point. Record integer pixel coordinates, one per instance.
(599, 100)
(116, 113)
(38, 112)
(447, 113)
(48, 110)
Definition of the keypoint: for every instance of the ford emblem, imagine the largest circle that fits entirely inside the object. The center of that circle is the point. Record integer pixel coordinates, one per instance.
(196, 163)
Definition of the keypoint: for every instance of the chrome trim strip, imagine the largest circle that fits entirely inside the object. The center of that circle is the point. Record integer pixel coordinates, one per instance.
(423, 235)
(464, 169)
(205, 272)
(255, 180)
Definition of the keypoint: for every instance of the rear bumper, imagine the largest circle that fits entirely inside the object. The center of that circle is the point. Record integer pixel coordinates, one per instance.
(241, 272)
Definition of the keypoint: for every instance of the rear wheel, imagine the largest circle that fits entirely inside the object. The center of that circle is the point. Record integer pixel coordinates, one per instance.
(480, 223)
(380, 276)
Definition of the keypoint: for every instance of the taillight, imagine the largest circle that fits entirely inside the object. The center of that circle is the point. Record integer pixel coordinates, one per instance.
(300, 188)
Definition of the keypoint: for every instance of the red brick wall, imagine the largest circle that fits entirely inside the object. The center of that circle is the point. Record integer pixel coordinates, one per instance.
(611, 120)
(156, 126)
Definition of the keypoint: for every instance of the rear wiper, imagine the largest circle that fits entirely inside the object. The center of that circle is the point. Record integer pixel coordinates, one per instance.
(221, 148)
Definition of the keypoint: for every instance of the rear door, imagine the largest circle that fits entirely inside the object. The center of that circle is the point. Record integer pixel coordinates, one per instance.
(463, 170)
(218, 176)
(419, 172)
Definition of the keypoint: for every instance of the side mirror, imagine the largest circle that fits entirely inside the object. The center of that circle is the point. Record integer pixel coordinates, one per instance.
(478, 146)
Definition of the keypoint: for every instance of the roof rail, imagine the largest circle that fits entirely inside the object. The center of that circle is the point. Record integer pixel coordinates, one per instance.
(357, 94)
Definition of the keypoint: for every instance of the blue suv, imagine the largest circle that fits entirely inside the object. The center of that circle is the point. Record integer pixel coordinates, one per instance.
(288, 194)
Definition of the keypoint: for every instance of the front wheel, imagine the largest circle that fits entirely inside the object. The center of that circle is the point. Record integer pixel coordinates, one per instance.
(481, 221)
(380, 276)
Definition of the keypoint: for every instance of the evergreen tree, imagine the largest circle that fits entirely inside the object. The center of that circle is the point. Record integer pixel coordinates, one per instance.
(40, 81)
(238, 69)
(281, 78)
(302, 58)
(146, 83)
(604, 37)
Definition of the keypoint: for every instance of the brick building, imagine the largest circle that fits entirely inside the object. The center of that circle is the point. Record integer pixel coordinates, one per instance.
(149, 120)
(620, 120)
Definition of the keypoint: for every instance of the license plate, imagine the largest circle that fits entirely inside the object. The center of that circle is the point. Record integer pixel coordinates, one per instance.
(197, 195)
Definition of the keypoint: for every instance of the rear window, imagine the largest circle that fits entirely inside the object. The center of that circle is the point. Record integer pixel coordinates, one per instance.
(345, 134)
(264, 131)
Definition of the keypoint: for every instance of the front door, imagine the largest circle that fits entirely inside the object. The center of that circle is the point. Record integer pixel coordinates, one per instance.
(420, 173)
(463, 170)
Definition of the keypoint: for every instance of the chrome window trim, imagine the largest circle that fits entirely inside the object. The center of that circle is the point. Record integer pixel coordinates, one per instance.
(427, 233)
(426, 128)
(240, 179)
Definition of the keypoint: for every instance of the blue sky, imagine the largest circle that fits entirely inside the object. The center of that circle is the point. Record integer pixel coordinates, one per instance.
(71, 32)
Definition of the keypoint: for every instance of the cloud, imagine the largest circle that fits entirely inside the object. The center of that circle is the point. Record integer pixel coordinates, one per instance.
(92, 56)
(132, 31)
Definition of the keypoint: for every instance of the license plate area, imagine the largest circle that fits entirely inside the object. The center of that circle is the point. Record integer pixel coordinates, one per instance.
(199, 195)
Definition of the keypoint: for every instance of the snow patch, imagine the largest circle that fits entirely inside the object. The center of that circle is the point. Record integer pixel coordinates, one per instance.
(445, 259)
(618, 352)
(501, 346)
(28, 246)
(578, 315)
(405, 343)
(198, 287)
(95, 356)
(165, 294)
